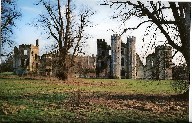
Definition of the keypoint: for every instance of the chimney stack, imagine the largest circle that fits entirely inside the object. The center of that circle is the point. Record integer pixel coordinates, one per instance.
(37, 42)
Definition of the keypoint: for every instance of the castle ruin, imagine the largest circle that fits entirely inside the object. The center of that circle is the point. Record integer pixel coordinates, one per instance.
(26, 58)
(116, 56)
(125, 63)
(122, 61)
(159, 64)
(119, 60)
(103, 59)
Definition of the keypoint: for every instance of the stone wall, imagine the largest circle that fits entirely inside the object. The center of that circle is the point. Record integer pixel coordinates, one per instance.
(164, 62)
(26, 58)
(103, 59)
(159, 64)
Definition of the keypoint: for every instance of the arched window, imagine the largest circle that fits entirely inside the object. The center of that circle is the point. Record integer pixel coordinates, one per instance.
(103, 53)
(25, 52)
(122, 72)
(37, 65)
(122, 51)
(35, 56)
(152, 63)
(122, 62)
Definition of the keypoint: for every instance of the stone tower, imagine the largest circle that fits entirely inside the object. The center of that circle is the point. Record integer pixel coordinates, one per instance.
(163, 62)
(26, 58)
(131, 57)
(103, 59)
(159, 64)
(116, 55)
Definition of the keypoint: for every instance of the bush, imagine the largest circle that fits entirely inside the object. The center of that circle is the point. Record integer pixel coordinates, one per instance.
(180, 86)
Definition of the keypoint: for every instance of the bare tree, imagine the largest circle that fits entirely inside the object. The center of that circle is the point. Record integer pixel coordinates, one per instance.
(68, 32)
(175, 29)
(9, 13)
(172, 19)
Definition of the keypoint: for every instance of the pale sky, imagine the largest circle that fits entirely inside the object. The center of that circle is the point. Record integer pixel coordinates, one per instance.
(26, 34)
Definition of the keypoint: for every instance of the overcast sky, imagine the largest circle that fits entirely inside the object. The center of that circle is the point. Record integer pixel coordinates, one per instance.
(26, 34)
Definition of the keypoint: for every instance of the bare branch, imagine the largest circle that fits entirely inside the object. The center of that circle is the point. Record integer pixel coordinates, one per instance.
(135, 27)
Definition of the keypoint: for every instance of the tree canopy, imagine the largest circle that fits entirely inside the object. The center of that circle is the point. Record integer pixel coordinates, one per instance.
(61, 25)
(173, 19)
(9, 13)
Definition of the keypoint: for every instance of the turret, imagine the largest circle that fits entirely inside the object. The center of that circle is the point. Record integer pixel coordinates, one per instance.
(37, 42)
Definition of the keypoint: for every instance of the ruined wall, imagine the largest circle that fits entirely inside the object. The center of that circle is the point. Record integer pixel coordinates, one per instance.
(116, 55)
(164, 62)
(103, 59)
(34, 59)
(139, 68)
(84, 67)
(150, 71)
(26, 58)
(46, 67)
(124, 60)
(159, 64)
(88, 62)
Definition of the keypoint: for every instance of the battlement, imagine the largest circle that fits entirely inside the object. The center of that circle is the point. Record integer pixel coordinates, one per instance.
(101, 43)
(131, 39)
(115, 37)
(25, 46)
(100, 40)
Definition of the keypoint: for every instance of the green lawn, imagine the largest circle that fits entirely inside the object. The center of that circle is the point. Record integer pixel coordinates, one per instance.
(89, 100)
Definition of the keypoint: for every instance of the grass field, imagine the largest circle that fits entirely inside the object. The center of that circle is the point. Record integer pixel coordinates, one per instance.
(89, 100)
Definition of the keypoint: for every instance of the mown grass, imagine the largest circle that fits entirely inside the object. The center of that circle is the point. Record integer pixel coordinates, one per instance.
(134, 86)
(6, 73)
(55, 101)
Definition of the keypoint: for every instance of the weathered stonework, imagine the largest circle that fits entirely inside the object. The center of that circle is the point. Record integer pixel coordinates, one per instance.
(164, 62)
(150, 71)
(159, 64)
(102, 59)
(26, 58)
(46, 66)
(116, 55)
(131, 57)
(126, 63)
(139, 68)
(123, 62)
(84, 66)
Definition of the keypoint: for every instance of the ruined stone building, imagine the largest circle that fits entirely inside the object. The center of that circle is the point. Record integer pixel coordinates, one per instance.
(159, 64)
(85, 66)
(123, 62)
(126, 62)
(46, 64)
(49, 66)
(103, 59)
(88, 62)
(119, 60)
(26, 58)
(116, 55)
